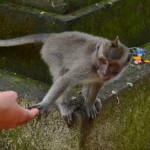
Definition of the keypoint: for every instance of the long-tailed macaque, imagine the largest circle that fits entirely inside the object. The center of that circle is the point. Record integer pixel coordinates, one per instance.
(77, 58)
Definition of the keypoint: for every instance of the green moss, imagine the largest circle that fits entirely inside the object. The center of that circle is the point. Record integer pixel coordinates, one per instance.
(17, 78)
(56, 6)
(16, 21)
(133, 126)
(74, 5)
(123, 125)
(125, 19)
(25, 87)
(25, 60)
(147, 48)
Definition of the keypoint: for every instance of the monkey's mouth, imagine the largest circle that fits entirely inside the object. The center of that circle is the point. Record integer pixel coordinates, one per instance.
(106, 77)
(103, 76)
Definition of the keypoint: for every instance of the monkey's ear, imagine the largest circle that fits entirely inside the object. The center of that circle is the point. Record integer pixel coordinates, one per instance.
(97, 49)
(116, 42)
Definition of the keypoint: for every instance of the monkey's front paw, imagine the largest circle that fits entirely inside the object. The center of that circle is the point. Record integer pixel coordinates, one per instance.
(43, 109)
(91, 112)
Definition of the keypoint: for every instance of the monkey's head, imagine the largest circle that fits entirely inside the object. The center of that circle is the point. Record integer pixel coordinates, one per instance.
(112, 59)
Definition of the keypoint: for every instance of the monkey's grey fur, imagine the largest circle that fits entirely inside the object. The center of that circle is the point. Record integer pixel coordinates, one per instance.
(73, 58)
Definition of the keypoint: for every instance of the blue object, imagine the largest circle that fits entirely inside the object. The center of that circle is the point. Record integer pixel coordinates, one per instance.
(139, 52)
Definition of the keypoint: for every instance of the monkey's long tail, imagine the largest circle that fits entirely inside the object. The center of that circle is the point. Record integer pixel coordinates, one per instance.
(35, 38)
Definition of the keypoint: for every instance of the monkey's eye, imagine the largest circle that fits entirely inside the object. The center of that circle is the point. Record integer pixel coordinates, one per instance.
(112, 65)
(114, 68)
(104, 62)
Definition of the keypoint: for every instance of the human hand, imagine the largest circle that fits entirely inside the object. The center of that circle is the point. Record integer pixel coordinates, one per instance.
(11, 113)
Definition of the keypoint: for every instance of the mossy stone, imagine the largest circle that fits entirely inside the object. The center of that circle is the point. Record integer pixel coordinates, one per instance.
(55, 6)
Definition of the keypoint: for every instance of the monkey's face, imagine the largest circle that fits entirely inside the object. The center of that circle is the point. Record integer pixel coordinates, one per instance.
(108, 68)
(112, 61)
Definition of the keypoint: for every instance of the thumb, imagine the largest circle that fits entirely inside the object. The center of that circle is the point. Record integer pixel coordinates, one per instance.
(33, 113)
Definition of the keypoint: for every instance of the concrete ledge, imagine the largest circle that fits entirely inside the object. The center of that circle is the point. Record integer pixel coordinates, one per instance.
(25, 87)
(122, 124)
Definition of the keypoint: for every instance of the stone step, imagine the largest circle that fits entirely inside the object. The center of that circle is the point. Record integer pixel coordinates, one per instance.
(56, 6)
(25, 87)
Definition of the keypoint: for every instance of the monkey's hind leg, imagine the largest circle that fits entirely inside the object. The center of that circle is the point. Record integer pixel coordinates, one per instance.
(68, 103)
(92, 102)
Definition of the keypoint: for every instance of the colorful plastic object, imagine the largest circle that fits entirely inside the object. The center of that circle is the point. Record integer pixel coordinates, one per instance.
(139, 55)
(137, 62)
(137, 58)
(139, 52)
(146, 61)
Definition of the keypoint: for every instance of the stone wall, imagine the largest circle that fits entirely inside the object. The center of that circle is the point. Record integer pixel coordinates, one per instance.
(56, 6)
